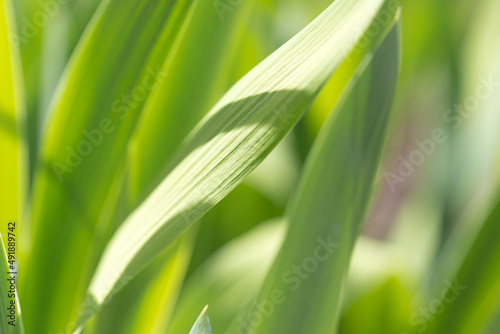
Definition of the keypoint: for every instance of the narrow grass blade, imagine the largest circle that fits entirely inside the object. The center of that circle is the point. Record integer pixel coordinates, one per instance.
(202, 324)
(237, 134)
(327, 212)
(48, 32)
(12, 145)
(12, 172)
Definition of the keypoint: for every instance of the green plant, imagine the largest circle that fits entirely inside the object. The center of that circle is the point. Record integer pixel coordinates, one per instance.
(138, 142)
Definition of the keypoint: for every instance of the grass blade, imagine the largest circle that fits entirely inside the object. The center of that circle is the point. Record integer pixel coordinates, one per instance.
(383, 310)
(202, 324)
(45, 47)
(196, 69)
(473, 296)
(146, 303)
(12, 172)
(229, 280)
(242, 128)
(84, 145)
(327, 212)
(12, 145)
(171, 112)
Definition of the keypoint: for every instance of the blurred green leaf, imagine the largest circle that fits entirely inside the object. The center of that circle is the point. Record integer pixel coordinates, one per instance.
(202, 324)
(84, 142)
(383, 310)
(327, 212)
(244, 205)
(472, 298)
(229, 280)
(48, 31)
(11, 171)
(243, 127)
(494, 325)
(196, 79)
(12, 145)
(145, 304)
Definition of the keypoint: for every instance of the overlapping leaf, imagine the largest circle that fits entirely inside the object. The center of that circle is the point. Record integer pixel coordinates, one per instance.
(327, 212)
(108, 79)
(229, 281)
(197, 68)
(197, 77)
(470, 301)
(48, 32)
(230, 142)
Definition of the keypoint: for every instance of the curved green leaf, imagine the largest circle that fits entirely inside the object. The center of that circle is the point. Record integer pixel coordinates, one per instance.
(196, 69)
(243, 127)
(327, 212)
(196, 79)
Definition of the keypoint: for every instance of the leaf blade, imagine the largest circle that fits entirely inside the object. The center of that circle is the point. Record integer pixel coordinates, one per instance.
(472, 297)
(96, 106)
(326, 214)
(230, 279)
(242, 128)
(12, 145)
(202, 324)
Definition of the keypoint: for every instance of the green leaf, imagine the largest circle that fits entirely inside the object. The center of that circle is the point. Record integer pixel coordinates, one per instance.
(83, 149)
(494, 325)
(146, 303)
(242, 128)
(327, 212)
(473, 295)
(48, 33)
(11, 172)
(12, 145)
(229, 280)
(383, 310)
(202, 324)
(198, 68)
